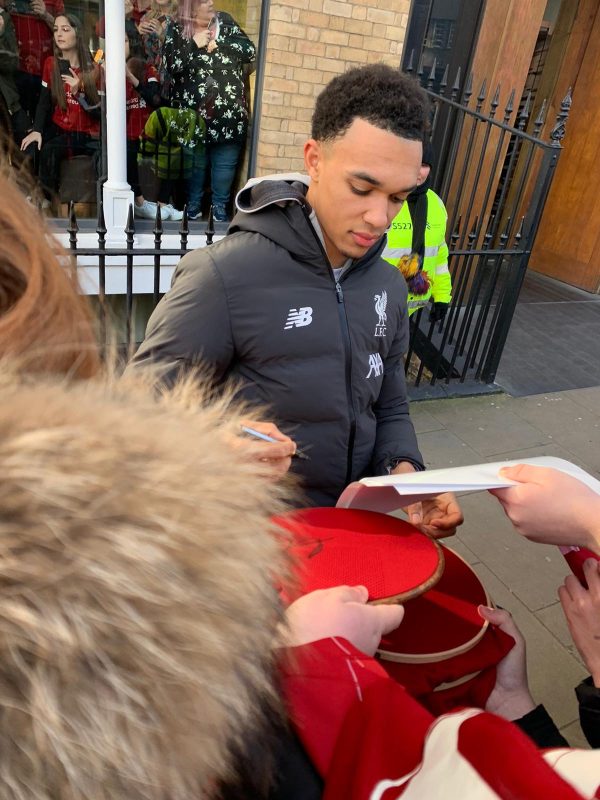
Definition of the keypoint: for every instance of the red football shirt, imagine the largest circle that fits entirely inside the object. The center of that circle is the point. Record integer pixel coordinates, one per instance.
(35, 37)
(138, 110)
(75, 118)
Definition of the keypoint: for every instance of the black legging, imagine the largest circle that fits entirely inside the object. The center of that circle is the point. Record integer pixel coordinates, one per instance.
(58, 145)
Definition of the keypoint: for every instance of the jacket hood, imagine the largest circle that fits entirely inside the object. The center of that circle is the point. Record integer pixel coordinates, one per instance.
(277, 208)
(137, 608)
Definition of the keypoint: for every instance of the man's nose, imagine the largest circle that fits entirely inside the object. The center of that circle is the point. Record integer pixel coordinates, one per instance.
(376, 214)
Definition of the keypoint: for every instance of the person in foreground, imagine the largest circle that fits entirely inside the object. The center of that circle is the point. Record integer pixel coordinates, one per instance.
(139, 626)
(297, 307)
(549, 506)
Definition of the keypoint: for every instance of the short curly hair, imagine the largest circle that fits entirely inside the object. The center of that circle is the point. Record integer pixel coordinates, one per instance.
(381, 95)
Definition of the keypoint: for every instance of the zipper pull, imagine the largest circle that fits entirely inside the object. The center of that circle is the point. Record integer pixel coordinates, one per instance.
(339, 292)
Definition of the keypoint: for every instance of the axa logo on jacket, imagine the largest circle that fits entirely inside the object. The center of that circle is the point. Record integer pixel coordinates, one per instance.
(298, 317)
(375, 365)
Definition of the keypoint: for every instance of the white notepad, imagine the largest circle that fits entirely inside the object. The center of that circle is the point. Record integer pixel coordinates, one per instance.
(390, 492)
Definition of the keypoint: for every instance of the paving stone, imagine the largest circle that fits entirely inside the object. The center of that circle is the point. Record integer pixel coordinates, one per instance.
(441, 448)
(552, 344)
(574, 735)
(551, 449)
(423, 420)
(554, 619)
(499, 434)
(588, 398)
(460, 548)
(553, 672)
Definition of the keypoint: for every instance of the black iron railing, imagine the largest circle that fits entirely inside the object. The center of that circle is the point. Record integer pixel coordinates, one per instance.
(494, 178)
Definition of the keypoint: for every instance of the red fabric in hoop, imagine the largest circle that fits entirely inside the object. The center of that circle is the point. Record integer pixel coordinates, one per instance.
(443, 618)
(336, 546)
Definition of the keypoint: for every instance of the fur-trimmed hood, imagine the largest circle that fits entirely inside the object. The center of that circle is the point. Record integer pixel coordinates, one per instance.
(137, 609)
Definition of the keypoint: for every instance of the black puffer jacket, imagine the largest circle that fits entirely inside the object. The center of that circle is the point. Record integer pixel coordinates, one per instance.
(262, 307)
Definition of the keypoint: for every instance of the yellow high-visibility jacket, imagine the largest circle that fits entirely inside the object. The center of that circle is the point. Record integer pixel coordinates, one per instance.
(435, 261)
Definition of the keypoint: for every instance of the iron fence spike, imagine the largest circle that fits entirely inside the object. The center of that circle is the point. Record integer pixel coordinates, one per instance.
(210, 226)
(496, 98)
(157, 221)
(101, 222)
(421, 68)
(558, 131)
(130, 227)
(473, 231)
(73, 225)
(524, 113)
(410, 67)
(519, 233)
(504, 234)
(456, 85)
(456, 231)
(510, 106)
(184, 228)
(482, 91)
(539, 120)
(431, 77)
(444, 81)
(469, 87)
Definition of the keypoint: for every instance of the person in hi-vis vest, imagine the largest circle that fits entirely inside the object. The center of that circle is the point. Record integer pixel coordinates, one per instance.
(416, 244)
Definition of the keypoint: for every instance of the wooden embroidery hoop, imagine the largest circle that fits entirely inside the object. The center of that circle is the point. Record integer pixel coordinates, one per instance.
(445, 654)
(321, 538)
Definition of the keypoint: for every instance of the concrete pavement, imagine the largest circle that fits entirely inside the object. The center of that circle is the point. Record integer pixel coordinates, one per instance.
(520, 576)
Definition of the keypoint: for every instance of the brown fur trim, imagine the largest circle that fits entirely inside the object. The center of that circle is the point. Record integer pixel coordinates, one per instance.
(137, 609)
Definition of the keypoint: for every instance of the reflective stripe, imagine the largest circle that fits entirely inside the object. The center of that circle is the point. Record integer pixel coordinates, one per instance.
(441, 269)
(418, 303)
(396, 252)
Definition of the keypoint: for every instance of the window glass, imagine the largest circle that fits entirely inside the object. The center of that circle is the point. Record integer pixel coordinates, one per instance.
(189, 94)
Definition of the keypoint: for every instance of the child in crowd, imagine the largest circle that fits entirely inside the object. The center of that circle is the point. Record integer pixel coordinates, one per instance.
(142, 94)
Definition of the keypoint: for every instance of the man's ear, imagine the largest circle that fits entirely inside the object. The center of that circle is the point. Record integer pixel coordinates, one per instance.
(313, 156)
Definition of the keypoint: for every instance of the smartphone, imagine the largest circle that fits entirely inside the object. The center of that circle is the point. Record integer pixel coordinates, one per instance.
(20, 7)
(162, 18)
(64, 66)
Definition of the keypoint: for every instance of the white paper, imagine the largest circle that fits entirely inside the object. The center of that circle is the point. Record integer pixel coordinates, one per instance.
(390, 492)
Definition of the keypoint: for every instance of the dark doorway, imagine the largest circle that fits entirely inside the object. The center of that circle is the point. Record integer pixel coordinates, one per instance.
(444, 31)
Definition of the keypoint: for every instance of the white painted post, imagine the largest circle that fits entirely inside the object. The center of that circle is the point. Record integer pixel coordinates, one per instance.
(117, 194)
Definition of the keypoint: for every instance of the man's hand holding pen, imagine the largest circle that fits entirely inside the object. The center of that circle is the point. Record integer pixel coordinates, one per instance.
(270, 446)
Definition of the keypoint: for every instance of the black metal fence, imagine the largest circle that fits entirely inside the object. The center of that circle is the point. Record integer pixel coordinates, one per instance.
(495, 180)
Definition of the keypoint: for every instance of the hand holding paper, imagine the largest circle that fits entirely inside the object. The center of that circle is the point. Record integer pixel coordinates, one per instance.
(548, 505)
(573, 516)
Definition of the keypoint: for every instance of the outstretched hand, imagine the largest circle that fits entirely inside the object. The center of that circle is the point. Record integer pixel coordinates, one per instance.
(340, 611)
(549, 506)
(582, 610)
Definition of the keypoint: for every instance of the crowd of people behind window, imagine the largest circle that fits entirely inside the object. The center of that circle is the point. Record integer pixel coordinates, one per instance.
(186, 99)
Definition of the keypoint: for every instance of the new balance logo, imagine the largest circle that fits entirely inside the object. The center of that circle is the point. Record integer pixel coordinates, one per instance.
(375, 365)
(298, 318)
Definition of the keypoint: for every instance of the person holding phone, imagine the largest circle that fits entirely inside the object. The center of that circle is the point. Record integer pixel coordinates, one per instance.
(34, 23)
(205, 53)
(67, 117)
(152, 28)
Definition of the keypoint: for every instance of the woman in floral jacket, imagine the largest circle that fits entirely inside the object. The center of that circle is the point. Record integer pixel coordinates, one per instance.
(204, 53)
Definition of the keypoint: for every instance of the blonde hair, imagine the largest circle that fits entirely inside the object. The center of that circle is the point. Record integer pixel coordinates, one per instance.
(138, 611)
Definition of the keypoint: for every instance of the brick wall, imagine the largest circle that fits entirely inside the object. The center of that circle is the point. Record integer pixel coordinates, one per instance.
(309, 43)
